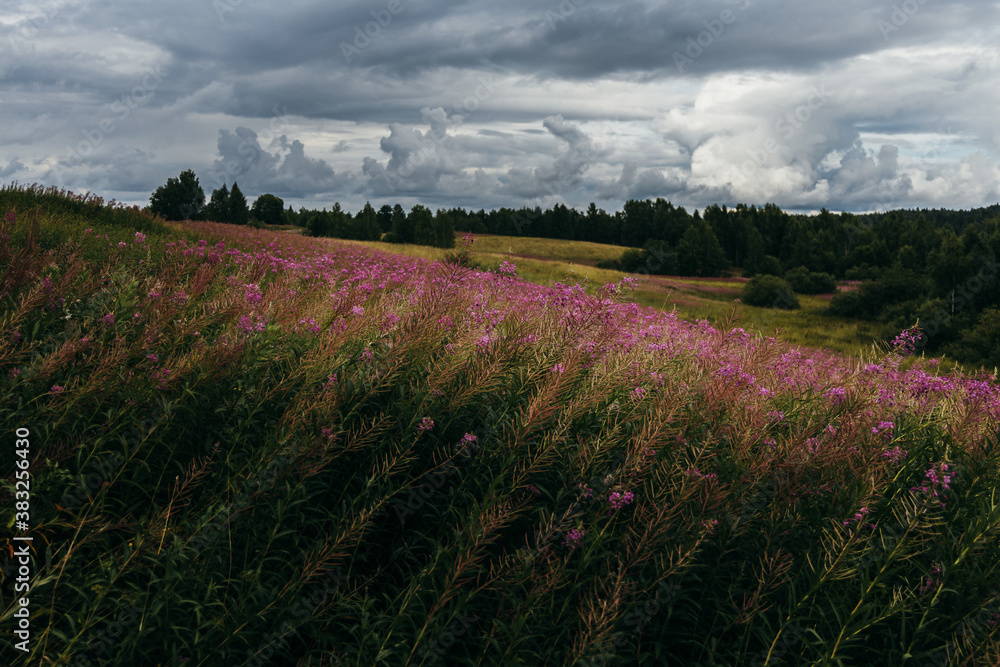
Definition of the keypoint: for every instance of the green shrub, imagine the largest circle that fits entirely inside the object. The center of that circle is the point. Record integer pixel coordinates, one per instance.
(805, 281)
(769, 292)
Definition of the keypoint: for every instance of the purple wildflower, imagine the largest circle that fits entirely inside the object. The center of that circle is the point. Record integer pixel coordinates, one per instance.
(574, 538)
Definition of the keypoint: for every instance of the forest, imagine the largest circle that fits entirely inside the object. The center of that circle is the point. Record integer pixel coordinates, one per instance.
(932, 267)
(936, 268)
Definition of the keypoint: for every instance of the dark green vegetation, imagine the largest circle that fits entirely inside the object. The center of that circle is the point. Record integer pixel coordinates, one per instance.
(257, 448)
(769, 292)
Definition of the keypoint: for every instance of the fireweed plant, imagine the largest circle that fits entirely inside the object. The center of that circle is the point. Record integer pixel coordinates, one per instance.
(226, 422)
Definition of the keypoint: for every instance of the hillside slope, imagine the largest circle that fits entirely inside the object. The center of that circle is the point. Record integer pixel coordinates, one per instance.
(248, 447)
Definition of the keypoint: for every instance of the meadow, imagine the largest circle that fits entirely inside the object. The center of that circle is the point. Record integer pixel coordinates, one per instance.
(248, 447)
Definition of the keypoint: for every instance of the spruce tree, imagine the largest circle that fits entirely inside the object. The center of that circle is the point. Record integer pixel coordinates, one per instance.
(218, 207)
(239, 212)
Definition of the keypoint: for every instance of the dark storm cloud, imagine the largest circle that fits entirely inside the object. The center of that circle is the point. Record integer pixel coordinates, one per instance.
(509, 103)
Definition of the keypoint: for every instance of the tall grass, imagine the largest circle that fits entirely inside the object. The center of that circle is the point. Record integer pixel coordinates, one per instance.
(256, 448)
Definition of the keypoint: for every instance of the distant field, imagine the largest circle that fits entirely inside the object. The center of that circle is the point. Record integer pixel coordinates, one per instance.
(711, 299)
(543, 261)
(577, 252)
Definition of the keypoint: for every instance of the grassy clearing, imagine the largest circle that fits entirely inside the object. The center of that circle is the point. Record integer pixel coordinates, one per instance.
(574, 252)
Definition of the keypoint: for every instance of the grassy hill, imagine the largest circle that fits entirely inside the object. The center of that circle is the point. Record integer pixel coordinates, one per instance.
(552, 260)
(248, 447)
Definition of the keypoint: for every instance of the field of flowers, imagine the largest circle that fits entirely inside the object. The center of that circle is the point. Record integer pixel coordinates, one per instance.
(253, 448)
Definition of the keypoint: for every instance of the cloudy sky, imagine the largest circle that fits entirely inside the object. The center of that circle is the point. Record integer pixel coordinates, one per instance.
(852, 105)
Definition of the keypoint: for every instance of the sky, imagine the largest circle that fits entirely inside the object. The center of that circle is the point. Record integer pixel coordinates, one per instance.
(847, 105)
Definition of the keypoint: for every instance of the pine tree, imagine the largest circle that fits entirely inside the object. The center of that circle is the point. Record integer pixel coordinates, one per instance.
(180, 199)
(218, 207)
(367, 224)
(402, 226)
(239, 212)
(421, 220)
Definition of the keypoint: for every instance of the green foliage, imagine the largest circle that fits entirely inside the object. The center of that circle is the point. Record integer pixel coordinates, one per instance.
(893, 286)
(699, 252)
(805, 281)
(981, 341)
(180, 199)
(269, 209)
(238, 211)
(769, 292)
(217, 209)
(281, 497)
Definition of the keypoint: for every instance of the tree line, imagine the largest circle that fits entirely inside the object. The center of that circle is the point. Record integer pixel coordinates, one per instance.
(938, 267)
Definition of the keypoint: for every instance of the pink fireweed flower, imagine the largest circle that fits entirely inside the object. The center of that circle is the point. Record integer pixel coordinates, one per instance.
(508, 268)
(836, 394)
(55, 389)
(895, 454)
(10, 217)
(574, 538)
(885, 429)
(906, 342)
(426, 424)
(938, 481)
(468, 440)
(638, 393)
(390, 321)
(14, 372)
(930, 582)
(140, 237)
(776, 415)
(558, 368)
(858, 516)
(252, 293)
(586, 492)
(152, 357)
(108, 320)
(618, 500)
(122, 244)
(248, 325)
(710, 525)
(446, 322)
(358, 310)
